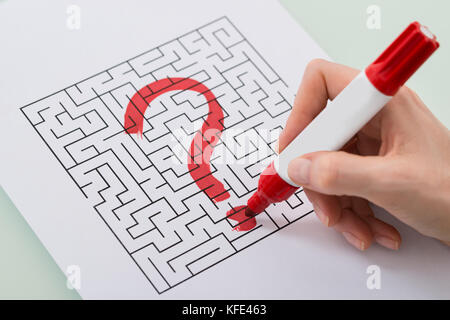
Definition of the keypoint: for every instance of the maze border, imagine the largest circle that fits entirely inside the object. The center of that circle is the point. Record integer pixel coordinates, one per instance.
(107, 70)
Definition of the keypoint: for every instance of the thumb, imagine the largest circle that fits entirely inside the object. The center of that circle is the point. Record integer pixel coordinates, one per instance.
(339, 173)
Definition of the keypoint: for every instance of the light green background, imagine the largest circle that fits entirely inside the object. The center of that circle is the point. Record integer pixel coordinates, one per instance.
(339, 26)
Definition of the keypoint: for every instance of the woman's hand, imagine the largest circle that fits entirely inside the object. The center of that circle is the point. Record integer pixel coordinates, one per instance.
(399, 161)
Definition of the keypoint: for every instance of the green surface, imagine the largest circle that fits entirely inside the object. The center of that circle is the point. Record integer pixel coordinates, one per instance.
(27, 271)
(26, 268)
(339, 27)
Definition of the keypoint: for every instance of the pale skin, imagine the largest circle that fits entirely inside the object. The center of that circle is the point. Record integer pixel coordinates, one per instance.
(399, 161)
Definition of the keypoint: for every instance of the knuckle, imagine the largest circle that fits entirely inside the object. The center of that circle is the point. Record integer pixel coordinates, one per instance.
(314, 65)
(405, 91)
(405, 96)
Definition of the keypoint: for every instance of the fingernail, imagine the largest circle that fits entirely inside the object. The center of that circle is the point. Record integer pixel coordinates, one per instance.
(387, 242)
(322, 217)
(354, 241)
(298, 170)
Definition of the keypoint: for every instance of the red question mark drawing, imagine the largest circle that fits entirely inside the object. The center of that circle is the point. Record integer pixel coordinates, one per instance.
(198, 158)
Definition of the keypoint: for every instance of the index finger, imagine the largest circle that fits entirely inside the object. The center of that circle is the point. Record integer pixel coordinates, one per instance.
(321, 81)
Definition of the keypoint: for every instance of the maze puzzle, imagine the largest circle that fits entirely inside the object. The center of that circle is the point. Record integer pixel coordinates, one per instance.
(141, 182)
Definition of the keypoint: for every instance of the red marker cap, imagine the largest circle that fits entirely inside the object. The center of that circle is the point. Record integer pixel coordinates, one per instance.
(402, 58)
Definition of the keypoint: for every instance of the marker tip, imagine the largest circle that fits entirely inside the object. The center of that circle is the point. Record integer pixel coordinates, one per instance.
(249, 212)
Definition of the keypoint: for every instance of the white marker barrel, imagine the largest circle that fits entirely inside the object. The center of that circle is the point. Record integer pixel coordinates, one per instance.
(338, 122)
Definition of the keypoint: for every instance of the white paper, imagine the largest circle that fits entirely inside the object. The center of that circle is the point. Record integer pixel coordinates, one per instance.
(121, 208)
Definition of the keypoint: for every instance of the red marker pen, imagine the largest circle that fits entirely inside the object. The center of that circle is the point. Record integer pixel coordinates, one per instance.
(348, 112)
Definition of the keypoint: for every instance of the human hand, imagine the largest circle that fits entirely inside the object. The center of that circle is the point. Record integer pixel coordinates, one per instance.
(399, 161)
